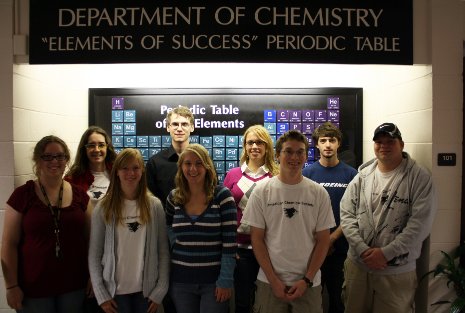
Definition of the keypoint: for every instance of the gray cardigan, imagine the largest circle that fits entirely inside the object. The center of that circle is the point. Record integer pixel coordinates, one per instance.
(102, 264)
(405, 222)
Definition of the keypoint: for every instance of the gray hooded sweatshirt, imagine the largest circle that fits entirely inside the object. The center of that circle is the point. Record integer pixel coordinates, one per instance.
(405, 221)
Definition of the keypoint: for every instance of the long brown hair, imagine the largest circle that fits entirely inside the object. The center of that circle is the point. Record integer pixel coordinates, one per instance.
(113, 200)
(81, 162)
(264, 136)
(182, 192)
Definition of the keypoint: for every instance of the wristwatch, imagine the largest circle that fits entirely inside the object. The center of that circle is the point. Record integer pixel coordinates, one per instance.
(308, 281)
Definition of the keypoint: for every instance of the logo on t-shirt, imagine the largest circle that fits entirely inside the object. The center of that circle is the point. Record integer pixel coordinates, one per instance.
(133, 227)
(97, 194)
(290, 212)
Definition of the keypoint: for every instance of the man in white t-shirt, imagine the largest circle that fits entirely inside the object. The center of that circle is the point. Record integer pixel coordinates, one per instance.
(290, 218)
(386, 213)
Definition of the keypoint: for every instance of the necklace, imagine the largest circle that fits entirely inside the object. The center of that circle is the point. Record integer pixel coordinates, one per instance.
(55, 211)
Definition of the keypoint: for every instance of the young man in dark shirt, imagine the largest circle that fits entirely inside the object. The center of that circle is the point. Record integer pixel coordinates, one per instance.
(162, 167)
(334, 175)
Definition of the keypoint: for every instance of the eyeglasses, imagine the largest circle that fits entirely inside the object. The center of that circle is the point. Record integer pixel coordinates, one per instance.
(100, 145)
(49, 157)
(183, 125)
(290, 153)
(257, 142)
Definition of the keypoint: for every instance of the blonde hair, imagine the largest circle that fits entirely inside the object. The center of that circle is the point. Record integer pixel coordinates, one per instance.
(264, 136)
(113, 200)
(181, 111)
(182, 192)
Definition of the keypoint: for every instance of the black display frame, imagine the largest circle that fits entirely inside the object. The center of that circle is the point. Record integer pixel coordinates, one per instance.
(279, 99)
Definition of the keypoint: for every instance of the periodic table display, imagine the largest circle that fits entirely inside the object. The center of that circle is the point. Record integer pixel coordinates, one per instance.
(137, 118)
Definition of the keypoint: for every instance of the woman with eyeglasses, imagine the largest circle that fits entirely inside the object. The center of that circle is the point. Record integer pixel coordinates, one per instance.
(201, 219)
(92, 165)
(45, 237)
(257, 165)
(128, 253)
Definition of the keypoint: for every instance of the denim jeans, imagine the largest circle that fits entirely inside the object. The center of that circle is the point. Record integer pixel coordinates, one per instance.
(132, 303)
(245, 276)
(196, 298)
(71, 302)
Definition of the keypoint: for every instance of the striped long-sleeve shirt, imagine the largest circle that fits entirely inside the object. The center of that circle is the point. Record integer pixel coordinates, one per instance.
(204, 248)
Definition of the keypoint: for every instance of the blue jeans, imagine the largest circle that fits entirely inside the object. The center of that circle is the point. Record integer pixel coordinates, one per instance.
(196, 298)
(132, 303)
(245, 276)
(71, 302)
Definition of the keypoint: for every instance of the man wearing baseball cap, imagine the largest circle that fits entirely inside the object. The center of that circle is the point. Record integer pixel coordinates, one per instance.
(386, 213)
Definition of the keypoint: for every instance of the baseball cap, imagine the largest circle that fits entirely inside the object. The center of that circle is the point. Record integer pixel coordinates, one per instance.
(388, 128)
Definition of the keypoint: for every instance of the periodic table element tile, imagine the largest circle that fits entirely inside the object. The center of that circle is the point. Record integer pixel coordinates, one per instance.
(129, 116)
(207, 142)
(308, 163)
(153, 151)
(308, 115)
(117, 103)
(117, 116)
(229, 165)
(333, 103)
(282, 116)
(219, 167)
(219, 141)
(295, 126)
(194, 139)
(142, 141)
(232, 154)
(241, 141)
(154, 141)
(220, 178)
(333, 116)
(269, 116)
(295, 116)
(165, 141)
(218, 154)
(117, 129)
(319, 124)
(320, 116)
(209, 151)
(232, 141)
(281, 128)
(273, 139)
(270, 127)
(145, 153)
(118, 150)
(311, 154)
(310, 140)
(117, 141)
(129, 129)
(130, 141)
(239, 153)
(307, 128)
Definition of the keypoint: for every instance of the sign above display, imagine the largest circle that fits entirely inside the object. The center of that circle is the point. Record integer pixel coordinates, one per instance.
(291, 31)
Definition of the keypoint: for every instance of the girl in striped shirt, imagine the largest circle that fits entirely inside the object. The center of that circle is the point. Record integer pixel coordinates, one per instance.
(201, 220)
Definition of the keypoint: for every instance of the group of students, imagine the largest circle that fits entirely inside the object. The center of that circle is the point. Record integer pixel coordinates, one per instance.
(167, 236)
